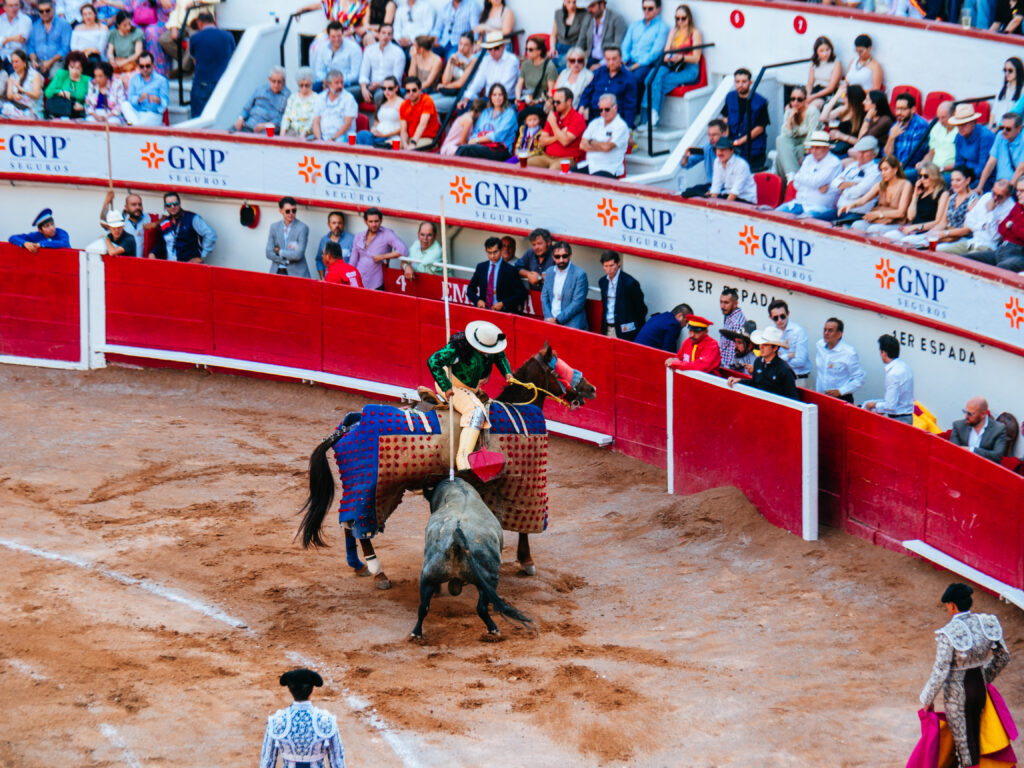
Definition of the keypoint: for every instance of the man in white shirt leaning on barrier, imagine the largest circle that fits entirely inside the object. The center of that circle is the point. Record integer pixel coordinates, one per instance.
(838, 369)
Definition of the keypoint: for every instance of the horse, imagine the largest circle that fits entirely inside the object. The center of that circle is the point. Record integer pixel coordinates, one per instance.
(379, 434)
(462, 545)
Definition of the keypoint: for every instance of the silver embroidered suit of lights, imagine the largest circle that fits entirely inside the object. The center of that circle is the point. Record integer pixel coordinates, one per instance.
(302, 734)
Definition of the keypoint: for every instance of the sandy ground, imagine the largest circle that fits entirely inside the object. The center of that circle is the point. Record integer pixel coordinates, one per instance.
(151, 594)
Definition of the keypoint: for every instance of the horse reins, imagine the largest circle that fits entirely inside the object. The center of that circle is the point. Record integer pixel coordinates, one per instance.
(536, 392)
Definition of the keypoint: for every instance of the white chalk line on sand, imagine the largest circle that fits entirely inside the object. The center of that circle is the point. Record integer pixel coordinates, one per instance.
(403, 747)
(27, 669)
(110, 734)
(144, 584)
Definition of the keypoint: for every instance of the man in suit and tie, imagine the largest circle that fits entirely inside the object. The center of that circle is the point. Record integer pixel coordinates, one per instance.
(564, 296)
(623, 310)
(978, 432)
(496, 284)
(286, 243)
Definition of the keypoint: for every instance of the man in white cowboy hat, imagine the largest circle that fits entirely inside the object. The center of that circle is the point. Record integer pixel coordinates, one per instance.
(469, 358)
(771, 372)
(813, 182)
(973, 141)
(118, 242)
(499, 66)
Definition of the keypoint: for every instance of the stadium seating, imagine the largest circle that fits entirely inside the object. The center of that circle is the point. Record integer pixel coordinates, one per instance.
(899, 89)
(769, 189)
(702, 81)
(932, 101)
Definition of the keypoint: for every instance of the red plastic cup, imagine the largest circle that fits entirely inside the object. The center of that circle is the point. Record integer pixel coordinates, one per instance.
(932, 242)
(396, 144)
(351, 139)
(270, 131)
(522, 161)
(566, 164)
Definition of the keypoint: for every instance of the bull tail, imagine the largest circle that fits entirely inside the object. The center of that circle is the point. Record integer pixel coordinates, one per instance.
(484, 585)
(321, 493)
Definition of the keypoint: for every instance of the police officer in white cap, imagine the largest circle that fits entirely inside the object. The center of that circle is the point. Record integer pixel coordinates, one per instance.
(302, 735)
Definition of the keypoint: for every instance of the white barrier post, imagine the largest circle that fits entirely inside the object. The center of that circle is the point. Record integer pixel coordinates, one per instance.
(94, 310)
(669, 441)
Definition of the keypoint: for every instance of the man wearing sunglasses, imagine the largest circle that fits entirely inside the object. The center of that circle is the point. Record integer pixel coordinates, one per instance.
(286, 242)
(644, 42)
(561, 135)
(50, 39)
(795, 336)
(148, 95)
(1006, 158)
(187, 237)
(605, 141)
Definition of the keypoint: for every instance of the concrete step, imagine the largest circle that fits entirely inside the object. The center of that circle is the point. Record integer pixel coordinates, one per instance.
(665, 137)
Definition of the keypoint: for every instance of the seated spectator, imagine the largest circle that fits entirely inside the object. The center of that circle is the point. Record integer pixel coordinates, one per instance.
(575, 77)
(495, 284)
(151, 17)
(983, 220)
(605, 141)
(864, 70)
(527, 143)
(978, 432)
(878, 117)
(623, 310)
(770, 372)
(563, 298)
(799, 121)
(15, 30)
(381, 12)
(678, 69)
(425, 254)
(89, 36)
(973, 141)
(565, 33)
(730, 177)
(338, 271)
(952, 226)
(424, 64)
(374, 247)
(562, 133)
(1009, 421)
(334, 117)
(941, 140)
(891, 195)
(494, 131)
(1006, 158)
(898, 403)
(379, 61)
(335, 234)
(700, 352)
(747, 116)
(50, 39)
(1011, 89)
(537, 260)
(705, 156)
(844, 116)
(47, 234)
(287, 240)
(387, 124)
(499, 67)
(211, 51)
(927, 210)
(455, 21)
(297, 120)
(24, 90)
(462, 128)
(496, 17)
(611, 78)
(858, 178)
(1010, 254)
(908, 130)
(839, 372)
(459, 65)
(118, 242)
(340, 53)
(148, 95)
(106, 96)
(795, 336)
(414, 18)
(71, 11)
(825, 73)
(418, 116)
(661, 331)
(743, 348)
(537, 73)
(1008, 17)
(65, 95)
(601, 29)
(125, 45)
(815, 195)
(187, 236)
(644, 42)
(265, 107)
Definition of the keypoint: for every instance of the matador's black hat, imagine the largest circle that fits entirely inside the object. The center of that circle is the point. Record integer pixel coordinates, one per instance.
(956, 593)
(302, 677)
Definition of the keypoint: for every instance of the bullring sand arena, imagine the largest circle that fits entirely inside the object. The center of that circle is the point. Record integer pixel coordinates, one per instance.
(151, 594)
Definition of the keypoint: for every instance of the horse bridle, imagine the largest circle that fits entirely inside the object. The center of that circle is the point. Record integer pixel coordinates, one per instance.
(537, 390)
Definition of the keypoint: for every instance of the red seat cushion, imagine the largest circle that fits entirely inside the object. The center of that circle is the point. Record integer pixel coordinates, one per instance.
(682, 90)
(984, 109)
(769, 189)
(915, 92)
(932, 101)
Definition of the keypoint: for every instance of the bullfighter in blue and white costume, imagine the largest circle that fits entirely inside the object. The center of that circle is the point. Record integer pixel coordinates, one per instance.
(302, 735)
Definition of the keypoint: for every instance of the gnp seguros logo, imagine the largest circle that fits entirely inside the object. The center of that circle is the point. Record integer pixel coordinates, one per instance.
(778, 254)
(30, 153)
(342, 180)
(1014, 312)
(918, 290)
(636, 224)
(200, 166)
(492, 200)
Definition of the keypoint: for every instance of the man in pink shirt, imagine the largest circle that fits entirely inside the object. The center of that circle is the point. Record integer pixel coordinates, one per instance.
(373, 248)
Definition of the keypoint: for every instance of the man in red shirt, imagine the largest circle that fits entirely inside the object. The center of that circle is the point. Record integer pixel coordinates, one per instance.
(699, 352)
(1010, 254)
(337, 270)
(561, 134)
(419, 116)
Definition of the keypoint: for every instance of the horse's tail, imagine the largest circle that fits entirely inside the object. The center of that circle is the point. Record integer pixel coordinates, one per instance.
(321, 492)
(484, 585)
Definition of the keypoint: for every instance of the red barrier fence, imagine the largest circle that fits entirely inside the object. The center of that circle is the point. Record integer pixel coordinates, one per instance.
(39, 304)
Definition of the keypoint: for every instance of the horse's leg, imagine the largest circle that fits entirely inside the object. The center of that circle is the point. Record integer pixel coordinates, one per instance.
(526, 566)
(427, 591)
(380, 581)
(352, 554)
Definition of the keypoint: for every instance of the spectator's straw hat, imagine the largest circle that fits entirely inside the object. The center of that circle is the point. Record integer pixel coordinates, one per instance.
(114, 219)
(697, 322)
(963, 114)
(494, 39)
(866, 144)
(42, 217)
(737, 335)
(770, 335)
(486, 337)
(819, 139)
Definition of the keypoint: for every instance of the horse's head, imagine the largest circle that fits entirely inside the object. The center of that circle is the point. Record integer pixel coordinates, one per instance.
(562, 379)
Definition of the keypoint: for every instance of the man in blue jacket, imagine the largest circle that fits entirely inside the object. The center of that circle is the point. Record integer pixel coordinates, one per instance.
(47, 234)
(663, 329)
(564, 296)
(747, 115)
(612, 77)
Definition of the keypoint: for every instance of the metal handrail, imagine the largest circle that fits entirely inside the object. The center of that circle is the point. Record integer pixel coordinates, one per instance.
(745, 149)
(181, 59)
(287, 28)
(650, 84)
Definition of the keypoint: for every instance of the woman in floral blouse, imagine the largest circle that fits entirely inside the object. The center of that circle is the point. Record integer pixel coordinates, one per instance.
(105, 97)
(299, 111)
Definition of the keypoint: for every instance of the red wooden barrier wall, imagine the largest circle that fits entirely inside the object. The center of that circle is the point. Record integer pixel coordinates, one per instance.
(640, 402)
(39, 304)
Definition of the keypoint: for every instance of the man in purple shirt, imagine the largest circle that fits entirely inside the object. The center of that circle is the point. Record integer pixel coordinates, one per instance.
(372, 249)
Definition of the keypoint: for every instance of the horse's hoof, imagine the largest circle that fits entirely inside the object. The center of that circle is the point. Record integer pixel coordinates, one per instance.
(364, 571)
(527, 569)
(454, 586)
(491, 637)
(380, 581)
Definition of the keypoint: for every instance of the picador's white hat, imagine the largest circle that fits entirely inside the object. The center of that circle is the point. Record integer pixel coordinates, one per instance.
(486, 337)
